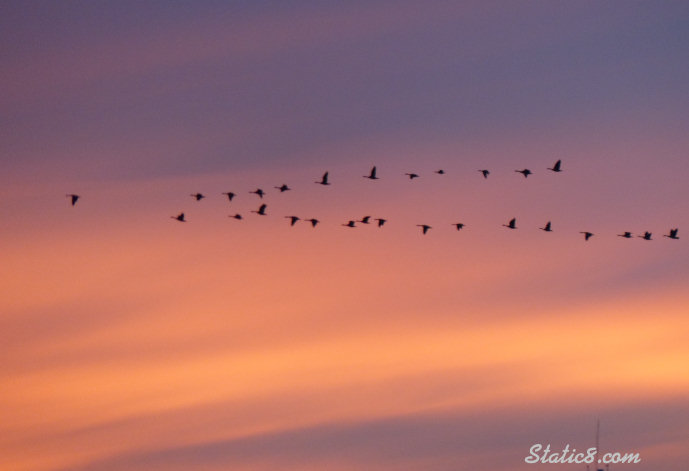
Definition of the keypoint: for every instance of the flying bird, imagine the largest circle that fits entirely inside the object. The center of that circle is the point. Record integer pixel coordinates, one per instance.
(412, 175)
(381, 221)
(587, 235)
(557, 167)
(324, 179)
(512, 224)
(424, 228)
(349, 224)
(372, 175)
(258, 192)
(672, 234)
(198, 196)
(261, 210)
(73, 198)
(459, 225)
(313, 221)
(647, 236)
(283, 188)
(365, 220)
(526, 172)
(293, 220)
(546, 228)
(229, 194)
(236, 216)
(179, 217)
(440, 172)
(485, 173)
(626, 235)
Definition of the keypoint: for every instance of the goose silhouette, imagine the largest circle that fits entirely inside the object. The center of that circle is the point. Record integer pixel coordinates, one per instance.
(324, 179)
(424, 228)
(672, 234)
(557, 167)
(372, 175)
(261, 210)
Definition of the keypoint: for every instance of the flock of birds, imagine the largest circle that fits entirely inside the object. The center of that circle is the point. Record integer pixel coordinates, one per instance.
(512, 224)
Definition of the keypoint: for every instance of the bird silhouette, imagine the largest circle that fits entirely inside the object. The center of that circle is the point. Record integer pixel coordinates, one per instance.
(283, 188)
(547, 227)
(587, 235)
(229, 194)
(626, 235)
(236, 216)
(73, 198)
(485, 173)
(349, 224)
(512, 224)
(324, 179)
(424, 228)
(293, 220)
(459, 225)
(526, 172)
(557, 167)
(412, 175)
(440, 172)
(672, 234)
(198, 196)
(313, 221)
(372, 175)
(365, 220)
(258, 192)
(261, 210)
(381, 221)
(647, 236)
(179, 217)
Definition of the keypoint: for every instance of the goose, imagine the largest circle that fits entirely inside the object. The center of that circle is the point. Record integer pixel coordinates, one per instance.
(324, 179)
(424, 228)
(672, 234)
(372, 175)
(261, 210)
(557, 167)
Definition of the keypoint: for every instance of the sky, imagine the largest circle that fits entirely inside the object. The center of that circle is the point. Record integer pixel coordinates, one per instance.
(131, 341)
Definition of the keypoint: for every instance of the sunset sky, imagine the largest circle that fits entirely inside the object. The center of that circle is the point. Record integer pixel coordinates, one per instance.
(131, 341)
